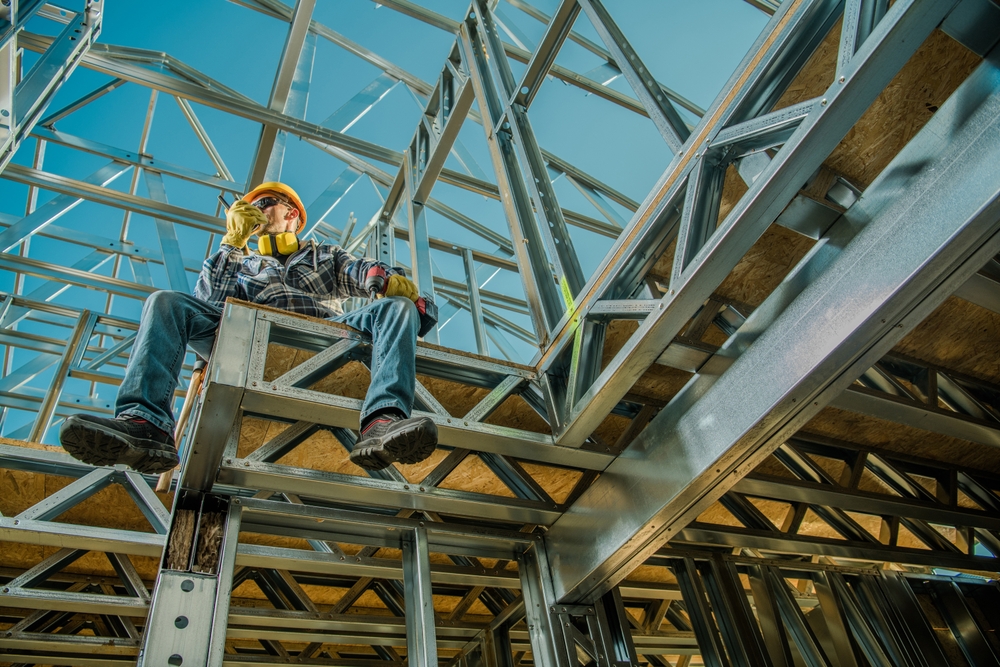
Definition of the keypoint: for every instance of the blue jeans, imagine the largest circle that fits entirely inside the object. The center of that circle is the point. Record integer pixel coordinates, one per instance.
(172, 321)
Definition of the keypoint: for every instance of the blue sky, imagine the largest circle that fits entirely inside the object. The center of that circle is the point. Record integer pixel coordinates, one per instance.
(691, 46)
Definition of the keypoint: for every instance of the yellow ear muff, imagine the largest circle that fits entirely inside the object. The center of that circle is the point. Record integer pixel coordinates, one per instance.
(284, 243)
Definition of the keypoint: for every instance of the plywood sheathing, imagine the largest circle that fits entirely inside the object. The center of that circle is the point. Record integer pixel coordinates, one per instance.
(937, 68)
(959, 336)
(765, 265)
(889, 436)
(111, 507)
(895, 117)
(897, 114)
(658, 383)
(473, 475)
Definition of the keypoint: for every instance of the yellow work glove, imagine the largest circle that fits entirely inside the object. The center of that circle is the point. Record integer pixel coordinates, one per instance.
(400, 286)
(241, 221)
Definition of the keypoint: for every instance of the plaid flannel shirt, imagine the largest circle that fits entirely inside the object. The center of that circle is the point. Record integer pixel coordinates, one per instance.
(313, 281)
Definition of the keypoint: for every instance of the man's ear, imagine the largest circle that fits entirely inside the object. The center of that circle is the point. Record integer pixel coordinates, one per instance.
(293, 213)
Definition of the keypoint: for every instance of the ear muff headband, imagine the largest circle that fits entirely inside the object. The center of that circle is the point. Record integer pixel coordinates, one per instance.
(285, 243)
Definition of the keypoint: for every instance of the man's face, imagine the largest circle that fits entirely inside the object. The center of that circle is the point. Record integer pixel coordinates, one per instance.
(281, 217)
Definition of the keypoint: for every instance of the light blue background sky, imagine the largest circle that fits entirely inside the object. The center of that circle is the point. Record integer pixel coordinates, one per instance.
(691, 46)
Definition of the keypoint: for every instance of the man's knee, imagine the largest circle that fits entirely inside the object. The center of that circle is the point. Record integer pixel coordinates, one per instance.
(401, 309)
(165, 302)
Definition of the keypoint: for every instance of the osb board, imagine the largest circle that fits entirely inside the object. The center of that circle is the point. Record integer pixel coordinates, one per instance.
(473, 475)
(923, 84)
(659, 383)
(881, 434)
(733, 189)
(557, 483)
(765, 265)
(111, 507)
(959, 336)
(895, 117)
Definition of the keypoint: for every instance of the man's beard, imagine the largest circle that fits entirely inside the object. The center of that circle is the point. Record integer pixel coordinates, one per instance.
(273, 228)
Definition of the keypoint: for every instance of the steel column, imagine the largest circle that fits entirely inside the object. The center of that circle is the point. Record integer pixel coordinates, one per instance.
(190, 603)
(421, 642)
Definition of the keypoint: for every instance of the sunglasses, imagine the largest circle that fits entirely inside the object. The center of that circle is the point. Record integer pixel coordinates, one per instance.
(267, 202)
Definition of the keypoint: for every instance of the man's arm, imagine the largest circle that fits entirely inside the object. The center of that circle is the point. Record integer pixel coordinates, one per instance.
(349, 272)
(217, 280)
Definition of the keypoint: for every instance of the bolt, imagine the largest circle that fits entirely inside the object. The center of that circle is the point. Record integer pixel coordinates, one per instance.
(822, 102)
(6, 590)
(254, 384)
(842, 79)
(422, 489)
(229, 460)
(16, 522)
(406, 486)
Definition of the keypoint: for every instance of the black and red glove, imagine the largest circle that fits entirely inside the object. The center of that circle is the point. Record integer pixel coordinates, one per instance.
(428, 314)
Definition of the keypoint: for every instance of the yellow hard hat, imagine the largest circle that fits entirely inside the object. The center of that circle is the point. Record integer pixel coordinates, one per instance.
(284, 191)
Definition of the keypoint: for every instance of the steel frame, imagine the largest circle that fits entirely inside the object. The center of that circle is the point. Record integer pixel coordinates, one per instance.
(830, 609)
(866, 609)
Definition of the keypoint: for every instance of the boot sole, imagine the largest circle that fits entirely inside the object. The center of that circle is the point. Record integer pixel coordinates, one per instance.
(101, 446)
(411, 445)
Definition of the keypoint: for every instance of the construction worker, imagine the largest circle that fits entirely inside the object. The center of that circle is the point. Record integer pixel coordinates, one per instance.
(307, 278)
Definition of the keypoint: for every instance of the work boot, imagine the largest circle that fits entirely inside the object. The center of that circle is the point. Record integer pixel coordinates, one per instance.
(391, 438)
(104, 442)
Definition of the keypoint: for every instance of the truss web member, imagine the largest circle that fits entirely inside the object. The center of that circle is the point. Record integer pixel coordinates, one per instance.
(311, 279)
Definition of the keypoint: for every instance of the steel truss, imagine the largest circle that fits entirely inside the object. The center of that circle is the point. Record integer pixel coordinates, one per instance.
(551, 577)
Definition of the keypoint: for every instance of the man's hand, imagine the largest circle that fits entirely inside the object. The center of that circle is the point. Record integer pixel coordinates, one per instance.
(241, 221)
(400, 286)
